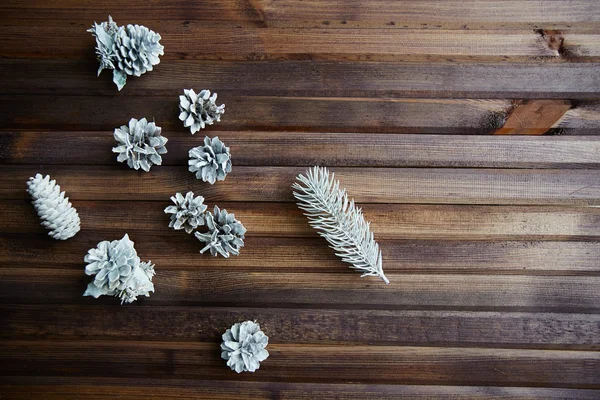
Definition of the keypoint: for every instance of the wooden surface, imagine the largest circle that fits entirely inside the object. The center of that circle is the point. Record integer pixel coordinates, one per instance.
(491, 242)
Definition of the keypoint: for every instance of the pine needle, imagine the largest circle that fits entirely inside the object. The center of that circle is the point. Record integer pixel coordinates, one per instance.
(339, 221)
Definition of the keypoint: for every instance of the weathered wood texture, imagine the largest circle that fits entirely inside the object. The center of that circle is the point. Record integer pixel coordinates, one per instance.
(491, 242)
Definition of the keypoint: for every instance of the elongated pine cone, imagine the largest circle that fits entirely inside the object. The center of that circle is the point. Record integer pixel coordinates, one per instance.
(53, 208)
(211, 162)
(118, 271)
(225, 234)
(244, 347)
(140, 144)
(187, 213)
(199, 110)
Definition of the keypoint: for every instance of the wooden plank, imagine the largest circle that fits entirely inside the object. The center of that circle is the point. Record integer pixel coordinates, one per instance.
(273, 184)
(73, 388)
(312, 255)
(258, 113)
(534, 117)
(308, 149)
(389, 221)
(182, 41)
(322, 364)
(378, 13)
(353, 80)
(305, 326)
(346, 288)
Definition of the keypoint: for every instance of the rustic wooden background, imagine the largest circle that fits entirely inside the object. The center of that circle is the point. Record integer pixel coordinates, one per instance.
(489, 240)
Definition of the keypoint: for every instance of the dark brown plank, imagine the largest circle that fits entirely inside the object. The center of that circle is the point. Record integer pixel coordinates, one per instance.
(312, 255)
(61, 388)
(338, 13)
(389, 221)
(305, 326)
(233, 80)
(339, 364)
(308, 149)
(258, 113)
(181, 41)
(273, 184)
(343, 289)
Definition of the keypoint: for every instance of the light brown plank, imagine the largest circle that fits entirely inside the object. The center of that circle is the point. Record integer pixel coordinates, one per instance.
(234, 80)
(378, 13)
(312, 255)
(346, 288)
(305, 326)
(339, 364)
(389, 221)
(534, 117)
(308, 149)
(61, 388)
(273, 184)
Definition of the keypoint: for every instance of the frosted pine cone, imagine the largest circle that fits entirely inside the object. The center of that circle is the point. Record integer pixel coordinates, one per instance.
(137, 50)
(244, 347)
(187, 213)
(53, 208)
(199, 110)
(131, 50)
(225, 235)
(140, 143)
(117, 271)
(211, 162)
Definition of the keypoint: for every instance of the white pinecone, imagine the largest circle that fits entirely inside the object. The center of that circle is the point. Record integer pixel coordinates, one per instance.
(140, 144)
(54, 209)
(225, 234)
(199, 110)
(244, 347)
(118, 271)
(187, 213)
(211, 162)
(127, 50)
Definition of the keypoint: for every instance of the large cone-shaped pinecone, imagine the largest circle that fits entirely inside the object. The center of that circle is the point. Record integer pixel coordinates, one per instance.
(244, 347)
(187, 213)
(211, 162)
(54, 209)
(225, 235)
(117, 271)
(140, 143)
(199, 110)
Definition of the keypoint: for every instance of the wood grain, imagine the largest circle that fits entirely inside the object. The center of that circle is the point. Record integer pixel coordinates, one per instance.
(308, 149)
(310, 255)
(305, 326)
(181, 38)
(273, 184)
(365, 364)
(311, 78)
(534, 117)
(59, 388)
(342, 289)
(389, 221)
(378, 13)
(491, 242)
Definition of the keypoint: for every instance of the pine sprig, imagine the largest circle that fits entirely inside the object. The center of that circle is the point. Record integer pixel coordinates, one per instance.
(339, 221)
